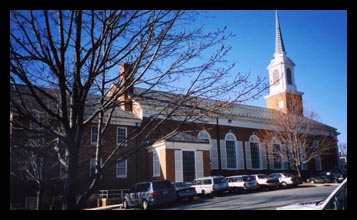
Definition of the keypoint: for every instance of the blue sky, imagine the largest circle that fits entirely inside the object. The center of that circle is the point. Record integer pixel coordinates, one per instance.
(315, 40)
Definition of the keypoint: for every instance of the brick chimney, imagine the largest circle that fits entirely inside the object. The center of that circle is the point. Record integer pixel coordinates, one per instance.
(126, 79)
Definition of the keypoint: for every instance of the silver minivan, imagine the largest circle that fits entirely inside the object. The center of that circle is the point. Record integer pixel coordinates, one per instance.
(210, 185)
(151, 193)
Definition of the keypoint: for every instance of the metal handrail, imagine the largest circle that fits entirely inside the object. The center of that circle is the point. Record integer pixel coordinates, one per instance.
(110, 193)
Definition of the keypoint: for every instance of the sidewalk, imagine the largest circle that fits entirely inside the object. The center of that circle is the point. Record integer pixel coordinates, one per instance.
(304, 184)
(108, 207)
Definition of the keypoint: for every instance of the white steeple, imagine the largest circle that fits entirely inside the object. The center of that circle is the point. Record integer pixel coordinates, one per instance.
(281, 73)
(281, 68)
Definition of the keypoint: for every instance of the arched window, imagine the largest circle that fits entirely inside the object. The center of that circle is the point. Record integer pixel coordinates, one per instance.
(288, 76)
(204, 135)
(275, 77)
(231, 150)
(254, 151)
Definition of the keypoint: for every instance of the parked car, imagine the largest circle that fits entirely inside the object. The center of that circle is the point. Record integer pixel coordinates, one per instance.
(265, 182)
(285, 179)
(318, 178)
(242, 183)
(210, 185)
(334, 176)
(184, 191)
(337, 200)
(150, 193)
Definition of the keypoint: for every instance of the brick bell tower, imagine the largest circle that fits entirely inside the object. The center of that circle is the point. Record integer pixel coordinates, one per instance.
(283, 94)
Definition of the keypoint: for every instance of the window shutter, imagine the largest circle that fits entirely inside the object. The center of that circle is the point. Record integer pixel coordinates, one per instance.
(240, 155)
(223, 154)
(178, 166)
(199, 164)
(263, 157)
(284, 164)
(214, 154)
(270, 156)
(248, 160)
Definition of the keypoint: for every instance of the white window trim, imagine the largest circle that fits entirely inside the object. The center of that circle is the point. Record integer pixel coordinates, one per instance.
(234, 139)
(126, 169)
(91, 134)
(126, 136)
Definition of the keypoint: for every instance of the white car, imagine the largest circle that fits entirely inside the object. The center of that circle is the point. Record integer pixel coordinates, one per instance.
(266, 182)
(242, 182)
(210, 185)
(337, 200)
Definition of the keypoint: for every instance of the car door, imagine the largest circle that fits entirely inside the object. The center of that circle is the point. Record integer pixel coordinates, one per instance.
(132, 195)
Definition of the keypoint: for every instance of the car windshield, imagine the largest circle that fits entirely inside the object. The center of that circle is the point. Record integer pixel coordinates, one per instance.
(248, 178)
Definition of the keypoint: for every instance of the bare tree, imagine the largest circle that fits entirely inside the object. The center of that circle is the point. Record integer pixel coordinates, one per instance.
(65, 58)
(303, 138)
(33, 159)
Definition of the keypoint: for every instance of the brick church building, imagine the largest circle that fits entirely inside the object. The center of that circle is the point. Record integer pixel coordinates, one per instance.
(224, 143)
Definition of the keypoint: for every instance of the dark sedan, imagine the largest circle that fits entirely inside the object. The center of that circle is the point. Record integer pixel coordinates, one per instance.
(318, 179)
(184, 191)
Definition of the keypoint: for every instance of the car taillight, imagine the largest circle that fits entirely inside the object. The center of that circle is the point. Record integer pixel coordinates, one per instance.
(153, 194)
(213, 188)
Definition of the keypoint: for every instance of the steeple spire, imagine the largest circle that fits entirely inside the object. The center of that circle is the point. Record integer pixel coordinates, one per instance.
(279, 44)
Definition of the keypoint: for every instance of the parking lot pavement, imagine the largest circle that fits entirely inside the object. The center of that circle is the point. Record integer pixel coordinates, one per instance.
(119, 206)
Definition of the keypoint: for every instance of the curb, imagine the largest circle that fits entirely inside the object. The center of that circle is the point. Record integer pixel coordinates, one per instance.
(109, 207)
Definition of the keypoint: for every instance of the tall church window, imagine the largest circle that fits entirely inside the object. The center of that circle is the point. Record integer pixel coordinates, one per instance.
(156, 164)
(288, 77)
(254, 152)
(276, 156)
(188, 165)
(231, 151)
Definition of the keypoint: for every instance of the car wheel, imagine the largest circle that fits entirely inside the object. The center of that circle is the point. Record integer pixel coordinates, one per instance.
(203, 193)
(145, 205)
(283, 185)
(125, 204)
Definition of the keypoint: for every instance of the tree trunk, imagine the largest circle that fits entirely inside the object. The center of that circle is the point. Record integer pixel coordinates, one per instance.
(70, 186)
(298, 171)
